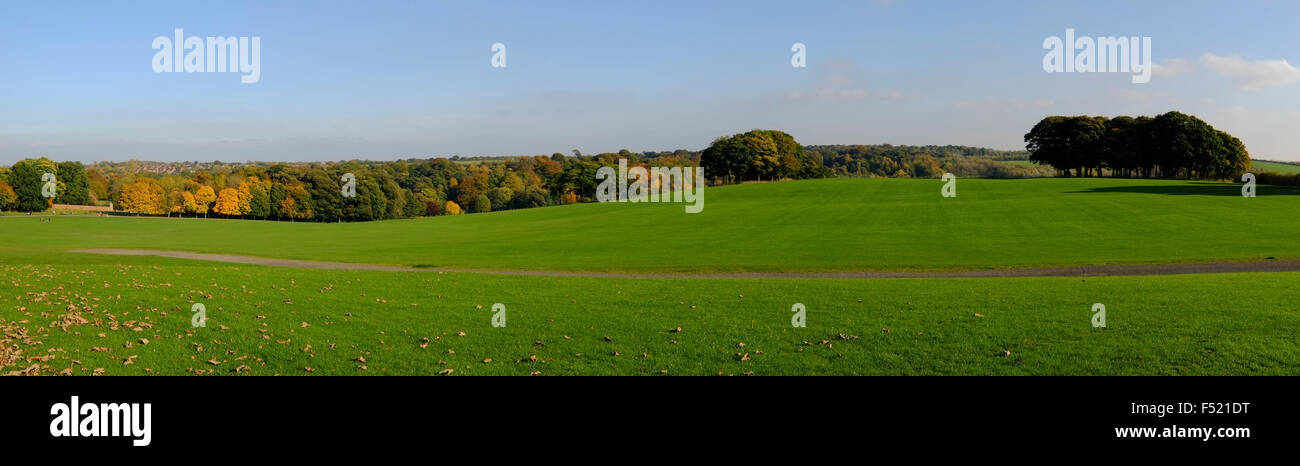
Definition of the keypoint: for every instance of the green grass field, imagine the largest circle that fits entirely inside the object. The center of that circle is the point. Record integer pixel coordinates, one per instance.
(820, 225)
(1284, 168)
(79, 313)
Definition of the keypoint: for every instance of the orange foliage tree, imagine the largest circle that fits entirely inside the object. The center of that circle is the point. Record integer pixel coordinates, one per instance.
(144, 196)
(205, 197)
(227, 202)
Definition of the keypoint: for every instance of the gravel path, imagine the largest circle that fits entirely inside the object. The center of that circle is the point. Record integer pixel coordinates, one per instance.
(1078, 271)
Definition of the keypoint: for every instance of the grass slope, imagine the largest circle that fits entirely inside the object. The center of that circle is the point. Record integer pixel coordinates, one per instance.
(1263, 166)
(817, 225)
(86, 318)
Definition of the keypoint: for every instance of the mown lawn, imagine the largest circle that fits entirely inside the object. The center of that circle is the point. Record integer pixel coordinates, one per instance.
(83, 314)
(818, 225)
(1262, 166)
(266, 321)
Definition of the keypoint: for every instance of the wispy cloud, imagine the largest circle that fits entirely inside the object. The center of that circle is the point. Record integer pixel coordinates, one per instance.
(1253, 75)
(1173, 67)
(840, 81)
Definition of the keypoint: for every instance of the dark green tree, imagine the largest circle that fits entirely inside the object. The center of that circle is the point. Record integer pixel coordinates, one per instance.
(75, 187)
(26, 179)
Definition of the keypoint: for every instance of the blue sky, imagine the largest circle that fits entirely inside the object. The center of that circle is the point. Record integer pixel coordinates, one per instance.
(387, 80)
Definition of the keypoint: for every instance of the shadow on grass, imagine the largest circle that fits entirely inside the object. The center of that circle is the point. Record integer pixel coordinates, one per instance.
(1195, 188)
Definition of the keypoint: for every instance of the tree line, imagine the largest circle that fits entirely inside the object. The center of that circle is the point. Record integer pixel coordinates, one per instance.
(1170, 145)
(314, 191)
(902, 161)
(415, 187)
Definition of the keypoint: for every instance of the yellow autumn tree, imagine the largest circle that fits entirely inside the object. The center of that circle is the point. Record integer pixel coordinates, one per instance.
(188, 204)
(145, 196)
(227, 202)
(246, 197)
(451, 208)
(205, 197)
(289, 208)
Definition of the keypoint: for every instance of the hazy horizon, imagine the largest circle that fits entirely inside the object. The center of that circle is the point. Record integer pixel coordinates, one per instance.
(388, 81)
(462, 156)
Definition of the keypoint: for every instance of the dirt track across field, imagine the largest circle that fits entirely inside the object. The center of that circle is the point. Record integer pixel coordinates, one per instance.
(1078, 271)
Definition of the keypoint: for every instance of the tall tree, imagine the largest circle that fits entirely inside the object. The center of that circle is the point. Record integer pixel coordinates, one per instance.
(26, 179)
(76, 186)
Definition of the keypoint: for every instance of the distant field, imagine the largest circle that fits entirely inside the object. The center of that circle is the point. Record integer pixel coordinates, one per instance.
(1285, 168)
(83, 314)
(817, 225)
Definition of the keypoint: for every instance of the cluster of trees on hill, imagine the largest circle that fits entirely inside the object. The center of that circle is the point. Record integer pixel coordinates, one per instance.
(1171, 145)
(759, 155)
(892, 161)
(21, 185)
